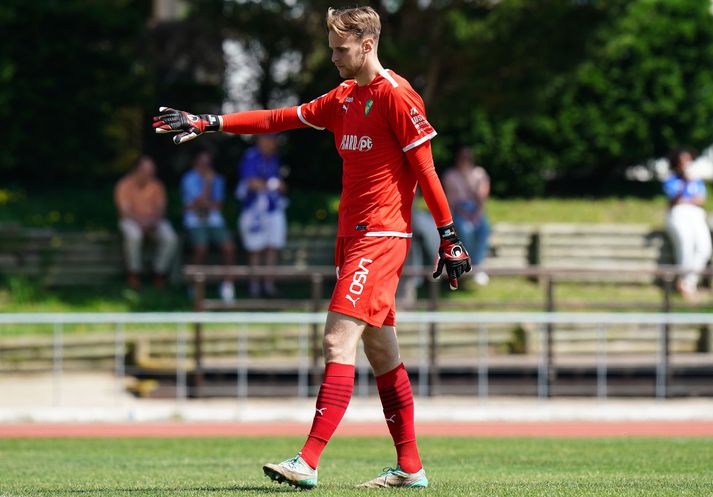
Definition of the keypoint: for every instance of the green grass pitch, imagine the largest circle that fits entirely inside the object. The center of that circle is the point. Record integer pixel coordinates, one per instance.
(456, 467)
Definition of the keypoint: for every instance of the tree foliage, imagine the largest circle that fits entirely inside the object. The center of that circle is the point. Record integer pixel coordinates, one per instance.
(542, 89)
(73, 91)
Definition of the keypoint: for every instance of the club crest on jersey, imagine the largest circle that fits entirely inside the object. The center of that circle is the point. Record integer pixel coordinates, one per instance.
(367, 107)
(357, 143)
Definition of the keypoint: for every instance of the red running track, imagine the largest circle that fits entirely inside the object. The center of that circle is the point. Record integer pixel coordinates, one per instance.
(585, 429)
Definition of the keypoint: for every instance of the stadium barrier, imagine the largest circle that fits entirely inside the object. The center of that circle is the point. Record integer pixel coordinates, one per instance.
(665, 276)
(199, 276)
(479, 323)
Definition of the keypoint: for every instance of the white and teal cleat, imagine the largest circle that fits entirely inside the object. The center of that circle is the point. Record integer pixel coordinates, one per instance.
(396, 477)
(295, 472)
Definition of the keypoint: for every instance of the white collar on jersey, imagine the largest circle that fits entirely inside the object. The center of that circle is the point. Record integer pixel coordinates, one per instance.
(385, 74)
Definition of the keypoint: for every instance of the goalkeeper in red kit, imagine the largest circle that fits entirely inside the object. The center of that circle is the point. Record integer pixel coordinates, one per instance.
(382, 134)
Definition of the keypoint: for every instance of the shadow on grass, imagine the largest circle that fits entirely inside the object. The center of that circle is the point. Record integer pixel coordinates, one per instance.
(20, 293)
(226, 488)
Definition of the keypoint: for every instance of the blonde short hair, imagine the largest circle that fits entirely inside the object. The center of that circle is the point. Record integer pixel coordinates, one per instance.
(359, 21)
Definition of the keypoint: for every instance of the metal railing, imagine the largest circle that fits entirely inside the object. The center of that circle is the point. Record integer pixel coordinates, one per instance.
(662, 276)
(478, 322)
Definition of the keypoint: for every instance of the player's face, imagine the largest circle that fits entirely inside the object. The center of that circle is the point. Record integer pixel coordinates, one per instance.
(348, 54)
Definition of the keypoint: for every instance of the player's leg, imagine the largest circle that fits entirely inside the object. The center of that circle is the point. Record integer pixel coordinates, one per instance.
(133, 236)
(679, 232)
(253, 235)
(701, 245)
(341, 336)
(382, 350)
(481, 234)
(270, 261)
(253, 262)
(221, 237)
(276, 238)
(199, 243)
(167, 242)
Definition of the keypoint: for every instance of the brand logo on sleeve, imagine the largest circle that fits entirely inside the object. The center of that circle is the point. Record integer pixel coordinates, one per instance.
(419, 122)
(358, 281)
(356, 143)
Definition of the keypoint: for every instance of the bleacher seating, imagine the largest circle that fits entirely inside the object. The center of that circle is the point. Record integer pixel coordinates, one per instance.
(625, 247)
(94, 258)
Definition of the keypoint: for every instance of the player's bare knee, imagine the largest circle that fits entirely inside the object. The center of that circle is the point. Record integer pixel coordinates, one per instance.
(337, 348)
(373, 348)
(381, 349)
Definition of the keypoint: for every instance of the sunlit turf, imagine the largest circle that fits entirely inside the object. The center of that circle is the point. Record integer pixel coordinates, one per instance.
(63, 208)
(455, 466)
(517, 293)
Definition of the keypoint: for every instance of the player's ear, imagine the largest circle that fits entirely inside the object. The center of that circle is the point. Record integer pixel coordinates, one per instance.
(367, 45)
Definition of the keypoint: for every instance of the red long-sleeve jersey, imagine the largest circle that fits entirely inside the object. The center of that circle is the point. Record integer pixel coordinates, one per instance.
(383, 137)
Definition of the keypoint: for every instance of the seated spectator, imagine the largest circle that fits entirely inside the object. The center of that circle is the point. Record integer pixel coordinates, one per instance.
(262, 223)
(686, 222)
(467, 187)
(140, 199)
(203, 193)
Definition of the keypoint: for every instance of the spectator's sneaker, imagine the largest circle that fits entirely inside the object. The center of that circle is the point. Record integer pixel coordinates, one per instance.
(396, 477)
(133, 281)
(295, 472)
(159, 281)
(481, 278)
(227, 291)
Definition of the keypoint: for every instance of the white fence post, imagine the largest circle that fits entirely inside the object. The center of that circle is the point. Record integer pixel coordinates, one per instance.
(119, 359)
(242, 371)
(601, 361)
(57, 364)
(424, 368)
(543, 366)
(181, 376)
(303, 368)
(482, 361)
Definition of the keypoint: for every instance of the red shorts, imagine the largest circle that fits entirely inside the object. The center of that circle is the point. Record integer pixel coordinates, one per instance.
(368, 272)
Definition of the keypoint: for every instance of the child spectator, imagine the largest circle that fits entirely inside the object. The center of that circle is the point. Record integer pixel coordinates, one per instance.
(262, 223)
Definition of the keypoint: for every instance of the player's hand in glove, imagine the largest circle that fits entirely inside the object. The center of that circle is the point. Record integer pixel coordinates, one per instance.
(451, 254)
(187, 125)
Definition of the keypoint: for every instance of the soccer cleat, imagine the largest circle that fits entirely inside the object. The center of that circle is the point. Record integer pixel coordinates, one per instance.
(295, 472)
(396, 477)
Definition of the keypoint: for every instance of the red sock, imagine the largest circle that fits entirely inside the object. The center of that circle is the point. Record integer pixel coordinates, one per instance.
(397, 400)
(332, 401)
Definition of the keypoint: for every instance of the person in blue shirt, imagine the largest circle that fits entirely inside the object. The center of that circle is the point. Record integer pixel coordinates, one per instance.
(686, 222)
(203, 193)
(262, 222)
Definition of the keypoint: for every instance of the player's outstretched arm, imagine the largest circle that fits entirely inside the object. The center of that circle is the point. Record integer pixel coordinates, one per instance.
(452, 255)
(189, 126)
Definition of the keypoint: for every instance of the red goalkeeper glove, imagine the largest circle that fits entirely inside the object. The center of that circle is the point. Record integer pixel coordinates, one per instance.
(187, 125)
(451, 254)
